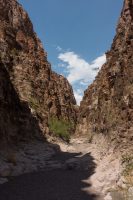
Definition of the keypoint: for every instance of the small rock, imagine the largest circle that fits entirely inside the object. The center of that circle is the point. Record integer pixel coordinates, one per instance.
(5, 170)
(3, 180)
(122, 183)
(119, 195)
(70, 166)
(123, 179)
(30, 168)
(17, 170)
(108, 197)
(130, 191)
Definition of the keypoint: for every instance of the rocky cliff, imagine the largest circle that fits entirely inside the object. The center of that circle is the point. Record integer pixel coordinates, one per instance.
(27, 83)
(16, 121)
(107, 105)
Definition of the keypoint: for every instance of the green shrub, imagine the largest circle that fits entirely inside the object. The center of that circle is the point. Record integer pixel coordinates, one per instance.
(14, 52)
(126, 158)
(33, 103)
(1, 55)
(60, 128)
(127, 161)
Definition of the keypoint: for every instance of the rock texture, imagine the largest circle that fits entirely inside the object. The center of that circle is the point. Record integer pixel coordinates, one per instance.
(107, 105)
(16, 121)
(26, 80)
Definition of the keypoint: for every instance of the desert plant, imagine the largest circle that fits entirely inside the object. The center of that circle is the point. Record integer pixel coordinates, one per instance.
(14, 52)
(34, 104)
(126, 158)
(127, 161)
(60, 128)
(1, 55)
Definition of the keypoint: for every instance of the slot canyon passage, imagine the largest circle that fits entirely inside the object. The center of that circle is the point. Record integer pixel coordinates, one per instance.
(50, 148)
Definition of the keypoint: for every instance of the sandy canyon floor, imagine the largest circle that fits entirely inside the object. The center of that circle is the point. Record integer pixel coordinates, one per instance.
(75, 171)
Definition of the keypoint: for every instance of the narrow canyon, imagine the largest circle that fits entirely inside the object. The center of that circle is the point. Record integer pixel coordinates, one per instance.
(50, 148)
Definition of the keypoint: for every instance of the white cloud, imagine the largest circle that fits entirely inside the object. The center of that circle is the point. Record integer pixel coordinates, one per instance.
(83, 83)
(80, 73)
(58, 48)
(61, 65)
(79, 69)
(78, 96)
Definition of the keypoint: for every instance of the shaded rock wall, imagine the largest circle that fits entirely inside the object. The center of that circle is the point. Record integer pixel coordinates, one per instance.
(107, 105)
(16, 121)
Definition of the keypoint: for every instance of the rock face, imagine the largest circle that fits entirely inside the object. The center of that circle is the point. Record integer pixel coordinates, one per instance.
(16, 121)
(27, 83)
(107, 105)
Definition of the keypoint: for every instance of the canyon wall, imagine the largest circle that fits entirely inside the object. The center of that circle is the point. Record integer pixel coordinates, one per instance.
(107, 105)
(29, 88)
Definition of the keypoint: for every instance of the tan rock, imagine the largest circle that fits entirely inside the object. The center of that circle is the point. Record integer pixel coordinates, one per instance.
(43, 92)
(107, 105)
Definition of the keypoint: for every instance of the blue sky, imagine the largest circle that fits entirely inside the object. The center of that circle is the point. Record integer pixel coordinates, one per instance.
(75, 34)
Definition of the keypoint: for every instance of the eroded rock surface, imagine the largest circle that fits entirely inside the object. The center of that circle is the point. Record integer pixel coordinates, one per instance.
(107, 105)
(45, 93)
(16, 121)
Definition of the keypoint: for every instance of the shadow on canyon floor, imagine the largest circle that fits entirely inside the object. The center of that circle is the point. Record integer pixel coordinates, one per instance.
(56, 184)
(66, 183)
